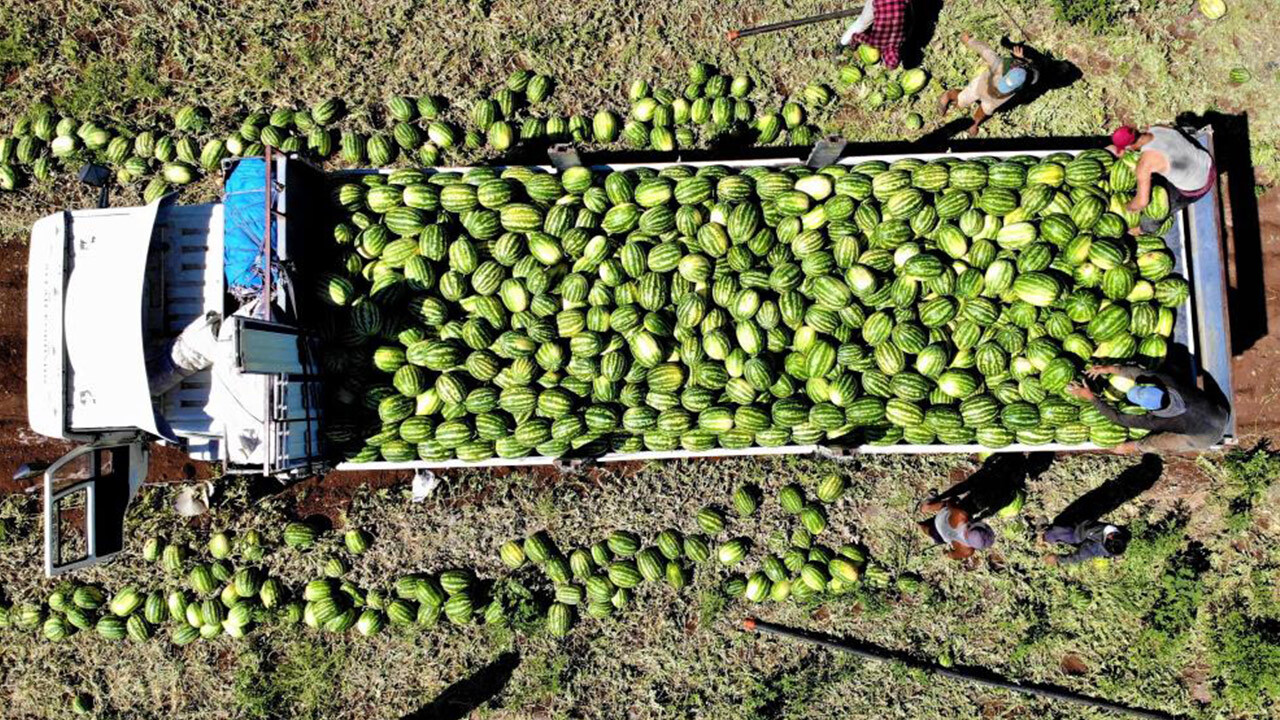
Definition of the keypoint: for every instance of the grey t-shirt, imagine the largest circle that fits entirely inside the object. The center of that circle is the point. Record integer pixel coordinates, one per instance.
(1189, 164)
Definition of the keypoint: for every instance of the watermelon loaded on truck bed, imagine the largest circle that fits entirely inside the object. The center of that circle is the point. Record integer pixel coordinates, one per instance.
(535, 315)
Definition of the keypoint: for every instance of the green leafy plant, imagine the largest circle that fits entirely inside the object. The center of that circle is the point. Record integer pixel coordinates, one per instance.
(1099, 16)
(1248, 474)
(1180, 593)
(1251, 472)
(1246, 660)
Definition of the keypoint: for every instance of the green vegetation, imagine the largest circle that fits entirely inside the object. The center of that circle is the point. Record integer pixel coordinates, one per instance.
(1099, 16)
(1246, 659)
(1251, 472)
(1140, 625)
(1245, 476)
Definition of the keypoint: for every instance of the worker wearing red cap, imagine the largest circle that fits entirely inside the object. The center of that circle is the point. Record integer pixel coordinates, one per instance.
(883, 26)
(1169, 158)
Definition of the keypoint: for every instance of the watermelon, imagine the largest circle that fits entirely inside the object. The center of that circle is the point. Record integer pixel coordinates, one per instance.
(732, 552)
(913, 80)
(1109, 322)
(1036, 288)
(830, 488)
(588, 312)
(1213, 9)
(300, 535)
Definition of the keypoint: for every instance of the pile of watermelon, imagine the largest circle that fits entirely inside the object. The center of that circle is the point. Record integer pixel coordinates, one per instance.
(428, 129)
(712, 107)
(225, 589)
(517, 311)
(422, 130)
(162, 156)
(875, 84)
(600, 579)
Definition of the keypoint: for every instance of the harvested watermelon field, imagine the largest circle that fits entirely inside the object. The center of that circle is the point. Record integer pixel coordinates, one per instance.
(1187, 622)
(1180, 624)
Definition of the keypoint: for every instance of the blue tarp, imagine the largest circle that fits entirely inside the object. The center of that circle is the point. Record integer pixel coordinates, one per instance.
(244, 208)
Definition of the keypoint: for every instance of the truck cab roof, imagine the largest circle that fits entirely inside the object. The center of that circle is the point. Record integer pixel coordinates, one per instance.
(87, 362)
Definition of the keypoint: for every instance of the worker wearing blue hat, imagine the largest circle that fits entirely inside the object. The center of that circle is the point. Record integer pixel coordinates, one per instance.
(997, 82)
(1179, 416)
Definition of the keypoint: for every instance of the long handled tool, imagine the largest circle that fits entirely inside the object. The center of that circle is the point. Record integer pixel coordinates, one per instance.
(785, 24)
(873, 653)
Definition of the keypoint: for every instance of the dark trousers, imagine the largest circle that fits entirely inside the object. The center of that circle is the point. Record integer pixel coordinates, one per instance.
(1178, 199)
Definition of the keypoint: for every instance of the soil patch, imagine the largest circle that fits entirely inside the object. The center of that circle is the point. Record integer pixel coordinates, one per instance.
(1257, 370)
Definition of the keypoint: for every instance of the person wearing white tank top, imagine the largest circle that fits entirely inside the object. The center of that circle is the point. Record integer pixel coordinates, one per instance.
(1169, 158)
(952, 527)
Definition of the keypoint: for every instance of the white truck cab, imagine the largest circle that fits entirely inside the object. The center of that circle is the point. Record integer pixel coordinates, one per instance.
(142, 327)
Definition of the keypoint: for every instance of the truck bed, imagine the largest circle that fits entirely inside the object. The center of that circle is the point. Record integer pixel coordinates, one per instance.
(1201, 327)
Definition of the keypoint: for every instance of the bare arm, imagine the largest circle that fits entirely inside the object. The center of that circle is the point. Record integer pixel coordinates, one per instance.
(1130, 372)
(988, 55)
(1144, 422)
(1146, 166)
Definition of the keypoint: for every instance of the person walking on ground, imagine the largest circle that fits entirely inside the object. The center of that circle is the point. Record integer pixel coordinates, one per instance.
(999, 81)
(1168, 158)
(1091, 538)
(1180, 416)
(953, 527)
(882, 25)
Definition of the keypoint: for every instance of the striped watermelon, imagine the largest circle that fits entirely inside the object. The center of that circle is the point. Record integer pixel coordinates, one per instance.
(1037, 288)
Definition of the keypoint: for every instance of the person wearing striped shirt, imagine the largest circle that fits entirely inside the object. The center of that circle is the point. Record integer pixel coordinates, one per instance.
(883, 26)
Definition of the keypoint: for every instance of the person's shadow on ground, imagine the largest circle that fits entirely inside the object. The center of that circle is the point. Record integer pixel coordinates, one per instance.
(997, 483)
(1247, 295)
(924, 21)
(1054, 74)
(1110, 495)
(461, 698)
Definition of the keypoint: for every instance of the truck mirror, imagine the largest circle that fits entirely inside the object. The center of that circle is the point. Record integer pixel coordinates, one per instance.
(98, 176)
(26, 471)
(95, 175)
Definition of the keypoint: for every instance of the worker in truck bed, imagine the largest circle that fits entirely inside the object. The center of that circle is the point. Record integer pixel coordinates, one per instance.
(1167, 158)
(1000, 79)
(883, 26)
(1180, 416)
